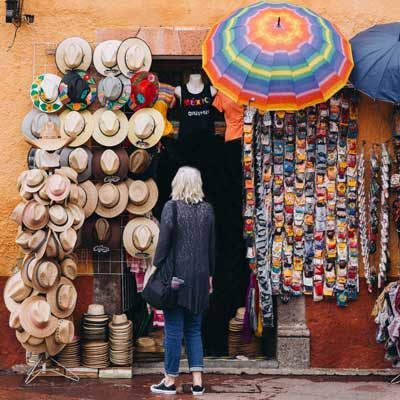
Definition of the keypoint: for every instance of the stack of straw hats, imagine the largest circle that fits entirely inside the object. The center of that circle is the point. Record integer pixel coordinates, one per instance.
(148, 349)
(94, 343)
(70, 356)
(120, 338)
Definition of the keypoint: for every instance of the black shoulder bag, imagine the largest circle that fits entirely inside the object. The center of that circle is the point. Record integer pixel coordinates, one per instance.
(158, 291)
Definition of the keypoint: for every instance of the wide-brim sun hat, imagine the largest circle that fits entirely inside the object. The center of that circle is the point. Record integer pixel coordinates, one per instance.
(105, 57)
(133, 55)
(35, 216)
(113, 199)
(110, 165)
(143, 196)
(58, 187)
(69, 267)
(62, 298)
(73, 53)
(79, 159)
(78, 125)
(61, 218)
(15, 291)
(142, 164)
(45, 275)
(113, 92)
(92, 197)
(42, 159)
(50, 138)
(110, 127)
(33, 180)
(44, 93)
(34, 121)
(63, 335)
(145, 128)
(140, 237)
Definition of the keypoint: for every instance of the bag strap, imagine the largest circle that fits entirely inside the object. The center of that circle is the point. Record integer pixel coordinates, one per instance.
(174, 233)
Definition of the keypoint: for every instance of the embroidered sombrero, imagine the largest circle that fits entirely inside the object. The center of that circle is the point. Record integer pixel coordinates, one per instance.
(144, 92)
(44, 93)
(114, 92)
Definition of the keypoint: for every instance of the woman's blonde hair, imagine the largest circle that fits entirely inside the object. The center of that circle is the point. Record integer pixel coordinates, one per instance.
(188, 186)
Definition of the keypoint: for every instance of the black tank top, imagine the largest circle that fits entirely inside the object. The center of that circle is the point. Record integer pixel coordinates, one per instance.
(195, 112)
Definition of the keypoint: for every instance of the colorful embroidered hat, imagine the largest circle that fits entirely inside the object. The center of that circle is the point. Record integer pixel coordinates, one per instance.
(77, 90)
(144, 92)
(114, 92)
(44, 93)
(133, 55)
(73, 53)
(105, 57)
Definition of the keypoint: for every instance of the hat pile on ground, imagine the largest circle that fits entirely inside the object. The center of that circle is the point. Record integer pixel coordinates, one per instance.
(70, 356)
(148, 349)
(120, 338)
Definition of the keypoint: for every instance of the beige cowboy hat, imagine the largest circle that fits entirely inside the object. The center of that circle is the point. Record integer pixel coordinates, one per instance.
(113, 199)
(145, 128)
(34, 122)
(79, 159)
(35, 316)
(69, 267)
(105, 57)
(33, 180)
(78, 125)
(143, 196)
(140, 237)
(63, 335)
(35, 216)
(62, 298)
(44, 93)
(31, 343)
(110, 127)
(49, 138)
(133, 55)
(45, 275)
(15, 291)
(91, 198)
(73, 53)
(58, 187)
(60, 219)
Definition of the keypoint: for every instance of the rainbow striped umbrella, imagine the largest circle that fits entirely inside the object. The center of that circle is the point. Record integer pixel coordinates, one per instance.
(278, 56)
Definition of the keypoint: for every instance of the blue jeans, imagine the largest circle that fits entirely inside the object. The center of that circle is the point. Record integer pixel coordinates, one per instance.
(181, 323)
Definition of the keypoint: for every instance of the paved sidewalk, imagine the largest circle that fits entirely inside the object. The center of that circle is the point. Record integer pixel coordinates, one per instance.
(220, 387)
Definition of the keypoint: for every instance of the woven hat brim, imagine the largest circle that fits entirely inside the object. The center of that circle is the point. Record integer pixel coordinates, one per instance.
(110, 141)
(150, 203)
(64, 162)
(51, 298)
(28, 119)
(92, 197)
(84, 136)
(119, 208)
(97, 62)
(87, 54)
(36, 284)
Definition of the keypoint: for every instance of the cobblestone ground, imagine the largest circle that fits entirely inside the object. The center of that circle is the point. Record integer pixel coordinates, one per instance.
(220, 387)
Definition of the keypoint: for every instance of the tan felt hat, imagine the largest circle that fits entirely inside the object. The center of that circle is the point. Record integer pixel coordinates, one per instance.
(78, 125)
(143, 196)
(69, 267)
(46, 274)
(35, 215)
(133, 55)
(50, 138)
(61, 218)
(91, 198)
(73, 53)
(79, 159)
(110, 127)
(62, 298)
(146, 127)
(63, 335)
(58, 187)
(35, 316)
(113, 199)
(140, 237)
(15, 291)
(33, 180)
(105, 57)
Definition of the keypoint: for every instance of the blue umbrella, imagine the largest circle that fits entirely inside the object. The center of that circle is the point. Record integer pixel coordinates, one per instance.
(376, 53)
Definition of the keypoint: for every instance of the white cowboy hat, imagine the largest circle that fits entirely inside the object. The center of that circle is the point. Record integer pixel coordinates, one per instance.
(111, 127)
(133, 55)
(73, 53)
(105, 57)
(78, 125)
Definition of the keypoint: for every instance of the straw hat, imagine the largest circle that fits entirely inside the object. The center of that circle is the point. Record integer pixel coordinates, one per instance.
(68, 172)
(78, 125)
(57, 187)
(44, 93)
(34, 121)
(15, 291)
(33, 180)
(146, 127)
(114, 92)
(103, 233)
(35, 216)
(133, 55)
(14, 321)
(63, 335)
(32, 242)
(77, 90)
(67, 239)
(49, 138)
(143, 196)
(110, 165)
(140, 237)
(95, 310)
(35, 316)
(46, 274)
(61, 218)
(52, 248)
(91, 197)
(28, 265)
(113, 199)
(110, 127)
(31, 343)
(39, 158)
(69, 267)
(144, 92)
(105, 57)
(141, 164)
(79, 159)
(73, 53)
(62, 298)
(78, 216)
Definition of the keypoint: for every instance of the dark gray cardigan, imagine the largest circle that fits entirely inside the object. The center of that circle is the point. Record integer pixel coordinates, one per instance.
(195, 250)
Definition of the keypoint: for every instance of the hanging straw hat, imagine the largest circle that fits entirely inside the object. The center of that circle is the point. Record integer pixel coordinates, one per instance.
(114, 92)
(110, 165)
(62, 298)
(142, 165)
(15, 291)
(110, 127)
(31, 343)
(68, 172)
(32, 242)
(79, 159)
(57, 187)
(50, 138)
(67, 240)
(63, 335)
(14, 321)
(73, 53)
(146, 127)
(46, 274)
(34, 121)
(105, 57)
(28, 265)
(60, 219)
(103, 233)
(143, 196)
(113, 199)
(69, 267)
(133, 55)
(140, 237)
(78, 125)
(78, 216)
(33, 180)
(144, 92)
(35, 316)
(42, 159)
(44, 93)
(77, 90)
(91, 198)
(35, 216)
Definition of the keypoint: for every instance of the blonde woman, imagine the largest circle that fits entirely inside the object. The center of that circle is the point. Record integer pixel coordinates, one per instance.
(188, 232)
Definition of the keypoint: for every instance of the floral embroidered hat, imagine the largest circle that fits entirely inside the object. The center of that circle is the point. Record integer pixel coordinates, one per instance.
(44, 93)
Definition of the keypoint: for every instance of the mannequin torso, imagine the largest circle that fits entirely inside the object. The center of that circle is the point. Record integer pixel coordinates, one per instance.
(195, 85)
